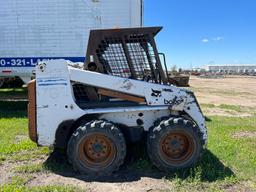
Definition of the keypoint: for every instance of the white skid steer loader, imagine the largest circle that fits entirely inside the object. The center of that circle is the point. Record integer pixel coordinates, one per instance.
(121, 94)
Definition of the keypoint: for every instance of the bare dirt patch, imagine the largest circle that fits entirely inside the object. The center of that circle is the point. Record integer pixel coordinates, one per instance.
(4, 176)
(241, 187)
(19, 138)
(7, 168)
(229, 90)
(125, 180)
(139, 184)
(244, 134)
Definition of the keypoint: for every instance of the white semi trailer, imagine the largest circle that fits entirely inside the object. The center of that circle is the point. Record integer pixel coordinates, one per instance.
(32, 31)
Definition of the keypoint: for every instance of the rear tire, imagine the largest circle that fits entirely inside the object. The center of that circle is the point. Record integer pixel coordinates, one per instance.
(174, 143)
(97, 148)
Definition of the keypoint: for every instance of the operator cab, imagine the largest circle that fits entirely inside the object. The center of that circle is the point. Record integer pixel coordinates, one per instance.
(129, 53)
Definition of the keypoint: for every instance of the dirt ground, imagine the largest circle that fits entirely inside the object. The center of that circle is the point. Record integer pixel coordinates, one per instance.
(232, 90)
(125, 180)
(220, 96)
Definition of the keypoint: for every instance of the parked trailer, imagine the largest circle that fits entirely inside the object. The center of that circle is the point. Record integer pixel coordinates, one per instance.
(33, 31)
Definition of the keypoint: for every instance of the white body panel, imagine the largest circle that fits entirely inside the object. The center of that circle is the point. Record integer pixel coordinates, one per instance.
(55, 101)
(50, 29)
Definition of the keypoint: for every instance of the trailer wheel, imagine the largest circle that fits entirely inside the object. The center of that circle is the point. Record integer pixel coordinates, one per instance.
(174, 143)
(97, 148)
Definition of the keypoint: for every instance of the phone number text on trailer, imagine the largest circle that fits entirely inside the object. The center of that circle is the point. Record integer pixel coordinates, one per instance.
(15, 62)
(31, 62)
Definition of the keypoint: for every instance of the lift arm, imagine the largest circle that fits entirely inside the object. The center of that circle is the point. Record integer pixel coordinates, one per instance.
(154, 94)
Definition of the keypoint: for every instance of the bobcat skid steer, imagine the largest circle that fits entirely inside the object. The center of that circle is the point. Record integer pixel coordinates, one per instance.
(121, 94)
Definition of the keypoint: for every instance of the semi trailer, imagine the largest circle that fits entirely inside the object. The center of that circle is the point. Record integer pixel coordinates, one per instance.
(33, 31)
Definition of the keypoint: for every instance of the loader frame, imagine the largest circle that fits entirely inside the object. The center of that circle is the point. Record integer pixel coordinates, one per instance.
(130, 52)
(54, 92)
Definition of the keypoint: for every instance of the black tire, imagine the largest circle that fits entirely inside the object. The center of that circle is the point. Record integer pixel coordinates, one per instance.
(96, 148)
(174, 143)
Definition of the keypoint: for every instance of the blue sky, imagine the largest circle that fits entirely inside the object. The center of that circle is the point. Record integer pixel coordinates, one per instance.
(198, 32)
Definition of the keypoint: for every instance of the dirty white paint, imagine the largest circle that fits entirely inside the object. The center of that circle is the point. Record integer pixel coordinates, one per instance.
(55, 101)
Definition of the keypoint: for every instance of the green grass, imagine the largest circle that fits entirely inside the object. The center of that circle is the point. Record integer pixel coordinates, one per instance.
(236, 108)
(239, 154)
(208, 105)
(13, 93)
(11, 107)
(43, 167)
(13, 124)
(31, 168)
(231, 109)
(227, 161)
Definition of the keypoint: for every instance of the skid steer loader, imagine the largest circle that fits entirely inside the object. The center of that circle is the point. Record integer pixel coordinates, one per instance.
(122, 94)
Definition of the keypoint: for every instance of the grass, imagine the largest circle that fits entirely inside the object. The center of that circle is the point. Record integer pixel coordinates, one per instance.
(204, 105)
(31, 168)
(13, 124)
(227, 162)
(239, 154)
(13, 93)
(233, 110)
(43, 167)
(27, 155)
(237, 108)
(8, 107)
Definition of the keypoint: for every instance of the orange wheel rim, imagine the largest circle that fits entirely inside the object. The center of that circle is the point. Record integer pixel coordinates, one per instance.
(97, 151)
(176, 147)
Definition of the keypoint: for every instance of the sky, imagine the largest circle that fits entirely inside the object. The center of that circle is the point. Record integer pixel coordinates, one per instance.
(199, 32)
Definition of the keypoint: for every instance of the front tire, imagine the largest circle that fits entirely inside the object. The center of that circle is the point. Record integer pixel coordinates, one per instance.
(174, 143)
(97, 148)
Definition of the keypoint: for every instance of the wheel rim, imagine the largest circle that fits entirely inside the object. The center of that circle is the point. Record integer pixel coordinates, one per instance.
(176, 147)
(97, 151)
